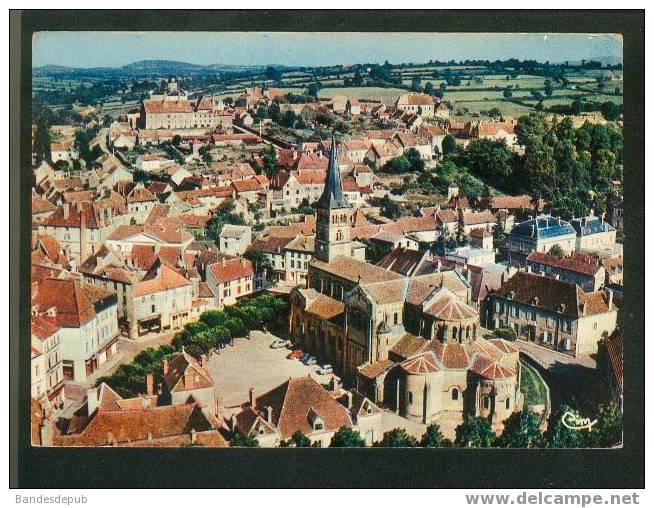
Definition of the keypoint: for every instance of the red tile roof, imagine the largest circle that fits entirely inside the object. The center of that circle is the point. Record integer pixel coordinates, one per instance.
(232, 269)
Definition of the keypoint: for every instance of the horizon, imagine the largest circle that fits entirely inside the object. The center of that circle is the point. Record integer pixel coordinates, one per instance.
(316, 49)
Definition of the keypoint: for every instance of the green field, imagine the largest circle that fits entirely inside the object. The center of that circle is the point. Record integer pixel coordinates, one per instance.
(388, 95)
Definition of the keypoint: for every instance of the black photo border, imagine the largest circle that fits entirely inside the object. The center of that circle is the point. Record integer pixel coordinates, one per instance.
(33, 467)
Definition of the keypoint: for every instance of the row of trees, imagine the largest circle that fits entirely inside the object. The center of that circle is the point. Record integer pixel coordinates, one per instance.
(521, 430)
(214, 330)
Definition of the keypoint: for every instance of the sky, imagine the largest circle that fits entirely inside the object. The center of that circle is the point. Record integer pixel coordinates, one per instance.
(114, 49)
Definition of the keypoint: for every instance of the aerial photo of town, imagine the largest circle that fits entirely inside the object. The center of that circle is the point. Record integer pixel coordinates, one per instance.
(279, 240)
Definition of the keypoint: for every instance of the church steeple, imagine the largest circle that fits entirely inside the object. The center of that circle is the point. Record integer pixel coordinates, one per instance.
(332, 196)
(332, 214)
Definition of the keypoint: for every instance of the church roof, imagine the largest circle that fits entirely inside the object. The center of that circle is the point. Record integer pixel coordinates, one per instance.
(332, 196)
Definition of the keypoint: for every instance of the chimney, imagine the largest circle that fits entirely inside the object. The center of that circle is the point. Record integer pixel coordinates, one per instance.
(582, 307)
(562, 307)
(269, 414)
(349, 399)
(535, 300)
(232, 422)
(149, 384)
(66, 210)
(251, 396)
(610, 298)
(203, 360)
(91, 400)
(164, 366)
(194, 436)
(511, 295)
(223, 261)
(110, 438)
(528, 268)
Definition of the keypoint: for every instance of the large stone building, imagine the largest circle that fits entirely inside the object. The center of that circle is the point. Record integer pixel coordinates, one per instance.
(552, 313)
(178, 112)
(540, 235)
(367, 320)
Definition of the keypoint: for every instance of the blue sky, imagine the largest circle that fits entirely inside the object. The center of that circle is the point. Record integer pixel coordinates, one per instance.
(112, 49)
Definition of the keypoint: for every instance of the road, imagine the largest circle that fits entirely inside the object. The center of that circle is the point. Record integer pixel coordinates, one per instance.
(573, 381)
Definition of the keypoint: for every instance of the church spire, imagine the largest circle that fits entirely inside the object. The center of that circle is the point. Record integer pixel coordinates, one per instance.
(332, 196)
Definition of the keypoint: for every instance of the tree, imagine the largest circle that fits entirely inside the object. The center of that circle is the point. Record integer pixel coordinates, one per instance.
(607, 431)
(507, 93)
(558, 435)
(261, 262)
(549, 90)
(475, 432)
(521, 430)
(449, 145)
(269, 156)
(415, 83)
(610, 110)
(556, 250)
(243, 441)
(505, 333)
(397, 438)
(429, 88)
(433, 438)
(205, 155)
(298, 440)
(346, 437)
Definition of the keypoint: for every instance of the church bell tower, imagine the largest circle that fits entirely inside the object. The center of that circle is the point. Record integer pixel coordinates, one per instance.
(332, 215)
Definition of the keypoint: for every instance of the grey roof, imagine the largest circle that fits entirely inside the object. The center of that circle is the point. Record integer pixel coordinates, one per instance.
(544, 226)
(332, 196)
(590, 226)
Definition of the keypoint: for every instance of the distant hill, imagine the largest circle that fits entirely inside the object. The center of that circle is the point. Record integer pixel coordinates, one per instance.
(161, 66)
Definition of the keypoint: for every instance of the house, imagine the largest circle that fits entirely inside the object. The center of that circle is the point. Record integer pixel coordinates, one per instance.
(468, 255)
(353, 107)
(476, 220)
(391, 240)
(176, 111)
(379, 154)
(540, 234)
(408, 140)
(64, 151)
(151, 233)
(140, 202)
(107, 419)
(230, 279)
(81, 228)
(354, 149)
(585, 271)
(273, 247)
(481, 238)
(185, 379)
(552, 313)
(41, 208)
(151, 162)
(87, 319)
(297, 254)
(419, 103)
(441, 110)
(594, 234)
(302, 404)
(235, 240)
(47, 367)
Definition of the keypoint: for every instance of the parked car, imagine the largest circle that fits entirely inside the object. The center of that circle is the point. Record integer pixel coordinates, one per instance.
(325, 370)
(311, 360)
(305, 357)
(294, 355)
(278, 343)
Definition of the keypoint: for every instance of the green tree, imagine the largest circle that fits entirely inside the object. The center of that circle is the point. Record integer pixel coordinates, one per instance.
(610, 110)
(507, 93)
(269, 156)
(397, 438)
(607, 431)
(346, 437)
(449, 145)
(549, 90)
(475, 432)
(298, 440)
(243, 441)
(429, 88)
(521, 430)
(261, 262)
(560, 436)
(556, 250)
(505, 333)
(415, 83)
(433, 438)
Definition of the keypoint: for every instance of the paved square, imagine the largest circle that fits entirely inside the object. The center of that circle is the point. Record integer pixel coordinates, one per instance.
(252, 363)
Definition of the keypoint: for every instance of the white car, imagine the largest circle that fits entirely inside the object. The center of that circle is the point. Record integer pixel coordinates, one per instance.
(311, 360)
(325, 370)
(278, 343)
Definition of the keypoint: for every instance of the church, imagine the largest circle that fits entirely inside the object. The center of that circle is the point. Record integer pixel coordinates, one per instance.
(410, 343)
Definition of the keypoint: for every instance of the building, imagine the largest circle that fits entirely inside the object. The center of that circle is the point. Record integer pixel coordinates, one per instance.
(185, 379)
(107, 419)
(230, 279)
(552, 313)
(471, 256)
(297, 254)
(419, 103)
(302, 404)
(88, 320)
(235, 240)
(594, 234)
(47, 366)
(178, 112)
(540, 234)
(585, 271)
(617, 214)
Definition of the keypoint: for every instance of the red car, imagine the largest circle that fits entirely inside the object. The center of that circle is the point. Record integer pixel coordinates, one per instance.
(294, 355)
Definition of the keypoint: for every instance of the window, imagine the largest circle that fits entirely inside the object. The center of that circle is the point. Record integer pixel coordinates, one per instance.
(154, 308)
(508, 403)
(410, 398)
(486, 402)
(395, 318)
(455, 394)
